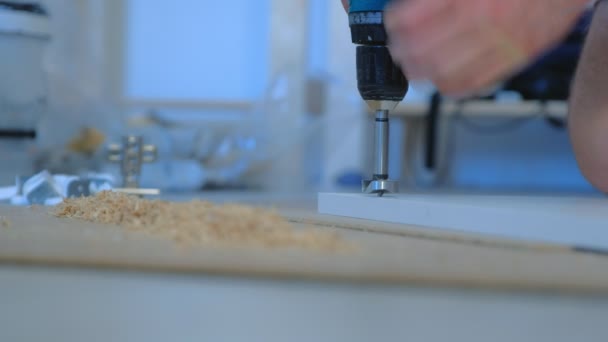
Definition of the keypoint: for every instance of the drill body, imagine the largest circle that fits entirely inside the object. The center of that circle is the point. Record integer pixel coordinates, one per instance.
(381, 83)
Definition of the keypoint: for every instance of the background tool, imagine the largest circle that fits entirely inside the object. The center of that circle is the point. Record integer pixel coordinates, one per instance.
(24, 36)
(381, 83)
(131, 155)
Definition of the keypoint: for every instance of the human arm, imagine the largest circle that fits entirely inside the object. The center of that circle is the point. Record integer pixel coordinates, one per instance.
(588, 118)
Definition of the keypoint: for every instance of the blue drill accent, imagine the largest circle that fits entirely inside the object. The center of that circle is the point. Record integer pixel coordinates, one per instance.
(368, 5)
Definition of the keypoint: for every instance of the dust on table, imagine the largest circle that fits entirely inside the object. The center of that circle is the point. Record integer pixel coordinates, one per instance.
(197, 222)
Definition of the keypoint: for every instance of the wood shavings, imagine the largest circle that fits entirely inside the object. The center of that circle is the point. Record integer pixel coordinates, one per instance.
(196, 222)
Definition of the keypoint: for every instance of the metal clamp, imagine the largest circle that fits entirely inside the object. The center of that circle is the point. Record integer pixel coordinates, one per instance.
(131, 155)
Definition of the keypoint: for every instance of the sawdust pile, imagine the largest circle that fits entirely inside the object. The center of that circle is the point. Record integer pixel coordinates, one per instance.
(196, 222)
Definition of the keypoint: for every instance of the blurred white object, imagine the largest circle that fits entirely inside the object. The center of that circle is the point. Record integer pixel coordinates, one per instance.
(174, 175)
(46, 189)
(8, 192)
(197, 150)
(24, 35)
(40, 188)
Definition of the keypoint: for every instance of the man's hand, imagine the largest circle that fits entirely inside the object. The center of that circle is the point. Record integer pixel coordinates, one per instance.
(464, 46)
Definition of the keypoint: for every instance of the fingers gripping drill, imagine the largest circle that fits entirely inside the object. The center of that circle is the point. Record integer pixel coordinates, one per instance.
(381, 83)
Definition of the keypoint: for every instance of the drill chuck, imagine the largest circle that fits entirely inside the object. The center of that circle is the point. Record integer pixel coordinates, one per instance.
(378, 78)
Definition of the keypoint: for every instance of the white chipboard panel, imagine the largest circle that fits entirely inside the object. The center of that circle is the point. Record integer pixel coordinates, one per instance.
(576, 222)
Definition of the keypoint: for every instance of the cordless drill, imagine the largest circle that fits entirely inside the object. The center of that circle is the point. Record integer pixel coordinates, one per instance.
(381, 83)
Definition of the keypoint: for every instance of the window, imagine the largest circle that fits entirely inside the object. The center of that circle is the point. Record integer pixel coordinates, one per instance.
(197, 50)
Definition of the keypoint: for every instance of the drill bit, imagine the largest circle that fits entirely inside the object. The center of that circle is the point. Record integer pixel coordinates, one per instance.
(380, 183)
(381, 148)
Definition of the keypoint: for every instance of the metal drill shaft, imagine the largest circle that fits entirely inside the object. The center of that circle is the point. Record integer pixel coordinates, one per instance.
(381, 145)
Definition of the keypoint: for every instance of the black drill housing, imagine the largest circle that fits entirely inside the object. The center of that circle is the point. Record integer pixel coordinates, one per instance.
(378, 77)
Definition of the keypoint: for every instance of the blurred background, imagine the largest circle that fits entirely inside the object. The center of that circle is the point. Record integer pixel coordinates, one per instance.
(257, 95)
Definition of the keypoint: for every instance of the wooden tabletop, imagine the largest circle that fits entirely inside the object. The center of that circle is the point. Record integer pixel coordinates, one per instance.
(385, 253)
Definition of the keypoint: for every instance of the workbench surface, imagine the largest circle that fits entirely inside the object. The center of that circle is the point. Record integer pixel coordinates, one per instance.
(64, 280)
(383, 253)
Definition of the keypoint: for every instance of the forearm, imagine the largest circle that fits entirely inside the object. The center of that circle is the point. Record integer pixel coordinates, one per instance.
(589, 104)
